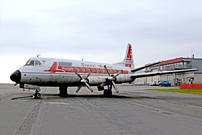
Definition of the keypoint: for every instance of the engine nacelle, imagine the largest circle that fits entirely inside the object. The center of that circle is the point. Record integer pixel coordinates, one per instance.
(123, 78)
(96, 80)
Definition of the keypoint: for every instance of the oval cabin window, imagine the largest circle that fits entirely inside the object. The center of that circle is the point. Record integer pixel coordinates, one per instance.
(84, 69)
(99, 71)
(79, 69)
(72, 69)
(95, 70)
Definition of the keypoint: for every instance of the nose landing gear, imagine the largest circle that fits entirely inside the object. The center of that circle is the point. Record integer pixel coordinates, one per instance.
(37, 95)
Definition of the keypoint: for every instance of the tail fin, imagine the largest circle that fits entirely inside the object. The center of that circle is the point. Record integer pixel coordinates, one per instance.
(128, 60)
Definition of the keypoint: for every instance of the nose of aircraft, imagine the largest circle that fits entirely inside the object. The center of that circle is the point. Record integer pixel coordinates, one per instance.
(16, 76)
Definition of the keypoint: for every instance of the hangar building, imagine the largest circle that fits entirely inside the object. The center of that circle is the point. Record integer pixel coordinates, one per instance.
(175, 64)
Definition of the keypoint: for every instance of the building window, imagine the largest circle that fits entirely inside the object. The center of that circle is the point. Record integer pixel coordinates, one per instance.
(186, 65)
(161, 67)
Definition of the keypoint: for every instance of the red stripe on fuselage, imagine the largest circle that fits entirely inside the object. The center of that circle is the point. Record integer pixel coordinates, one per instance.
(54, 68)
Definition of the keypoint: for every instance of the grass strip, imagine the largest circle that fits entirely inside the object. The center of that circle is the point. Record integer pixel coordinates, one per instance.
(189, 91)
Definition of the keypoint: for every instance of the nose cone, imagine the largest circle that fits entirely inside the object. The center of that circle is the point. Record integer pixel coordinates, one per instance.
(16, 76)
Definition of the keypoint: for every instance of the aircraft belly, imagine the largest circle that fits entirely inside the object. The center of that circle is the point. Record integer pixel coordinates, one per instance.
(48, 79)
(64, 79)
(35, 78)
(54, 79)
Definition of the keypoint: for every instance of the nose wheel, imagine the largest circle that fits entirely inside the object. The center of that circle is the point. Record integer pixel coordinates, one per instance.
(37, 95)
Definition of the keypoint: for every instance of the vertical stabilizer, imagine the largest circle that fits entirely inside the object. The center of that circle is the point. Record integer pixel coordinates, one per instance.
(128, 60)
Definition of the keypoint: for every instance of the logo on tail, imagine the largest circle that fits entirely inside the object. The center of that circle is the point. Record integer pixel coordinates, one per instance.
(129, 56)
(128, 60)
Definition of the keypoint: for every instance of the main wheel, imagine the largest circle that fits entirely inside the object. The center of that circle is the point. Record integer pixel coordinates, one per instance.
(37, 95)
(107, 93)
(63, 91)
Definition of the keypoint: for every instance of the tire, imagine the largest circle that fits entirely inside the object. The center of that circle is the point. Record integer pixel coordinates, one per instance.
(63, 91)
(107, 93)
(37, 95)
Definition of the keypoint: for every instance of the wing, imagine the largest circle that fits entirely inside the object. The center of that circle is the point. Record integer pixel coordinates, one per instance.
(138, 75)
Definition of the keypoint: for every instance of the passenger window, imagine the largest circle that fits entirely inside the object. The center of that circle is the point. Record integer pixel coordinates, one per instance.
(79, 70)
(84, 69)
(95, 70)
(99, 71)
(72, 69)
(115, 71)
(112, 71)
(103, 71)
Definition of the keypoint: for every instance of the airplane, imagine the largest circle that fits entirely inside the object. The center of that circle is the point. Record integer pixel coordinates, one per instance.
(63, 73)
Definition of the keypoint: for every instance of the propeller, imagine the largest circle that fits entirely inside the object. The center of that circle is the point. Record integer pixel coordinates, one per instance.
(112, 78)
(84, 80)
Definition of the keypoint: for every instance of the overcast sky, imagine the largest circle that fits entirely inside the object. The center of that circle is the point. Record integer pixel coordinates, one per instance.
(98, 30)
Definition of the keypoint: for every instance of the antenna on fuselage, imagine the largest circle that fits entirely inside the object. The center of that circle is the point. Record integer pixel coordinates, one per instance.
(82, 59)
(38, 55)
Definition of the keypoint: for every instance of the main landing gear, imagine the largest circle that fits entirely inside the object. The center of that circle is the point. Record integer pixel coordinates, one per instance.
(37, 95)
(63, 91)
(108, 92)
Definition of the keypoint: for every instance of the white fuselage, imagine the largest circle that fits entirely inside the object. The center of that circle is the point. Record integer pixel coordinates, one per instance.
(58, 72)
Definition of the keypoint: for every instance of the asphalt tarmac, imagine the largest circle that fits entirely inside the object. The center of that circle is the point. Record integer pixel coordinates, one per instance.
(133, 111)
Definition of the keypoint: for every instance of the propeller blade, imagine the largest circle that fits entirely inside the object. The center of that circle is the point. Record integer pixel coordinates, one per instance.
(118, 73)
(78, 75)
(103, 84)
(88, 86)
(88, 74)
(78, 88)
(106, 69)
(115, 87)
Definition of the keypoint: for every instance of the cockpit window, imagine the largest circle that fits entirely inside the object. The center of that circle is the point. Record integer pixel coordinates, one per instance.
(32, 63)
(37, 62)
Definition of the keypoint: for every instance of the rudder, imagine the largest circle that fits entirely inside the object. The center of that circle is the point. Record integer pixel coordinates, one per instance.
(128, 60)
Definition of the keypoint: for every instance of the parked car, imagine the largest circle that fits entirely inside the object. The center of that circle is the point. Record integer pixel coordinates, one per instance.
(165, 83)
(155, 83)
(158, 83)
